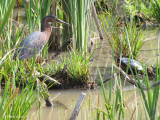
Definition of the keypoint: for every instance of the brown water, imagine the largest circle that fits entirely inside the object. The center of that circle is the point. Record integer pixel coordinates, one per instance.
(65, 100)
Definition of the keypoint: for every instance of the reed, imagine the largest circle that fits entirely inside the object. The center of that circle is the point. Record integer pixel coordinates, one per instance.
(5, 12)
(14, 105)
(114, 106)
(35, 11)
(79, 17)
(13, 73)
(150, 100)
(126, 39)
(155, 7)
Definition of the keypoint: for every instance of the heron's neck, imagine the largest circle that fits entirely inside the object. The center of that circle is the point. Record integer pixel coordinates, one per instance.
(45, 26)
(46, 29)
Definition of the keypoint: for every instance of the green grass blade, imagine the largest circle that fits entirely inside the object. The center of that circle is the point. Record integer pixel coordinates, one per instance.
(6, 16)
(102, 85)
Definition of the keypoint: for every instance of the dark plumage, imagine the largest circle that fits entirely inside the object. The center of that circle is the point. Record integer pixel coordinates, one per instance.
(37, 40)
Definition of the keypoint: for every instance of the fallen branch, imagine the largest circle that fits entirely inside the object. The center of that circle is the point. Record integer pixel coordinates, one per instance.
(154, 85)
(133, 81)
(112, 75)
(130, 80)
(47, 77)
(77, 107)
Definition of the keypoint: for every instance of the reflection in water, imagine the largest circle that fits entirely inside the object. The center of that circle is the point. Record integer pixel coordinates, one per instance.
(65, 100)
(70, 97)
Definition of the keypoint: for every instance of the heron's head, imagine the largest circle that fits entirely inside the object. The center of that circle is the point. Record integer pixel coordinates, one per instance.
(52, 18)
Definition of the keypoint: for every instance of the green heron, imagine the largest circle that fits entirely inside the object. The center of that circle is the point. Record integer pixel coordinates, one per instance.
(37, 40)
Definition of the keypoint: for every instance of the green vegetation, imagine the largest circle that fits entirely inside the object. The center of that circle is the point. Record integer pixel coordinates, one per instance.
(35, 11)
(155, 7)
(127, 40)
(79, 19)
(14, 74)
(14, 105)
(72, 68)
(114, 108)
(148, 9)
(20, 89)
(150, 100)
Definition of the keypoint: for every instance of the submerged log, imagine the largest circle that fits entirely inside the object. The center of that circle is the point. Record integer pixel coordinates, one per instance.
(77, 107)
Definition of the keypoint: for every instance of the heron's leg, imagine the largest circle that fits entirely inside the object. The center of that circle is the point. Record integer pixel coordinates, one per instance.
(27, 65)
(34, 73)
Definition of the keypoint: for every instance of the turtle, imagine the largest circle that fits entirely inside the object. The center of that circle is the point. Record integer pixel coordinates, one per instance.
(135, 65)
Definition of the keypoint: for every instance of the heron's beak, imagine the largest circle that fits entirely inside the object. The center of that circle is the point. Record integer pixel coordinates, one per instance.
(60, 21)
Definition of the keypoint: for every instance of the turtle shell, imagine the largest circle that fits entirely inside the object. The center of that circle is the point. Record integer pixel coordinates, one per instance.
(133, 63)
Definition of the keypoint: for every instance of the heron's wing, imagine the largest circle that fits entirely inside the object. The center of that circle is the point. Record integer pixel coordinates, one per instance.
(35, 41)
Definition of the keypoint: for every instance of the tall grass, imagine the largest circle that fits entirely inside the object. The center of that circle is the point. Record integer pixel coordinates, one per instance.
(83, 9)
(114, 106)
(35, 11)
(13, 73)
(79, 17)
(126, 39)
(155, 7)
(4, 16)
(148, 8)
(5, 12)
(14, 105)
(150, 100)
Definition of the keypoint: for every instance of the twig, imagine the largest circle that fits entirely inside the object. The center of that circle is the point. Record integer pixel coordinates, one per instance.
(154, 85)
(77, 107)
(47, 77)
(106, 79)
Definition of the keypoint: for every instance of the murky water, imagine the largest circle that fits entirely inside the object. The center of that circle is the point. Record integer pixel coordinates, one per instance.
(65, 100)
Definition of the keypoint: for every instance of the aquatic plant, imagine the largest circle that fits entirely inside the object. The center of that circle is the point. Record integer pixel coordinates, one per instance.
(114, 106)
(155, 7)
(13, 73)
(5, 12)
(127, 39)
(79, 19)
(35, 11)
(149, 9)
(74, 69)
(14, 105)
